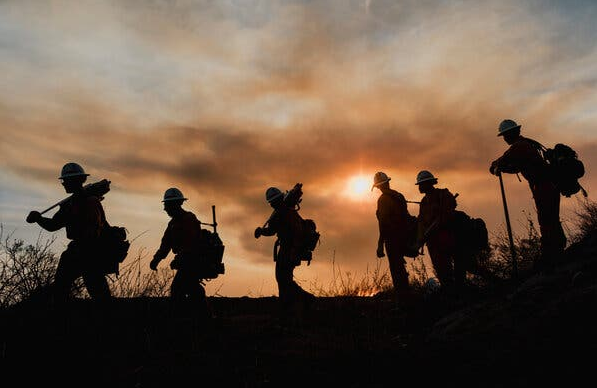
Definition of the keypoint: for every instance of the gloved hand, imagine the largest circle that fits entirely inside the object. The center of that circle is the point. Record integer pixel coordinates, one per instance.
(419, 249)
(258, 232)
(380, 253)
(154, 264)
(493, 169)
(33, 217)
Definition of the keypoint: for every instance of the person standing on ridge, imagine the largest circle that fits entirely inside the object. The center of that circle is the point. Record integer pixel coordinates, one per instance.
(523, 156)
(182, 236)
(84, 219)
(435, 229)
(392, 216)
(286, 224)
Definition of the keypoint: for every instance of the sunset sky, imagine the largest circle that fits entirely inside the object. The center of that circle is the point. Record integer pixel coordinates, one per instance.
(223, 99)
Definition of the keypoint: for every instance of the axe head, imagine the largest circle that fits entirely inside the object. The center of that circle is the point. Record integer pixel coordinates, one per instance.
(98, 189)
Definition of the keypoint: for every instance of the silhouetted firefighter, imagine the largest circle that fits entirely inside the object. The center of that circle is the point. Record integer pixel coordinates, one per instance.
(288, 226)
(524, 156)
(184, 237)
(83, 217)
(394, 233)
(436, 229)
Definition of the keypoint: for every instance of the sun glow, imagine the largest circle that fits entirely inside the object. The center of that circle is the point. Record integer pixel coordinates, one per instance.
(358, 186)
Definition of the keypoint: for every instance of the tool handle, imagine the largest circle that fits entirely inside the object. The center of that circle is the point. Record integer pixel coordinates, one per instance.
(54, 205)
(509, 229)
(213, 214)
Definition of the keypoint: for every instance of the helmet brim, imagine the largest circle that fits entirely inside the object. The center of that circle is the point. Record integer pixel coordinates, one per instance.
(275, 197)
(72, 175)
(508, 129)
(426, 180)
(380, 183)
(174, 199)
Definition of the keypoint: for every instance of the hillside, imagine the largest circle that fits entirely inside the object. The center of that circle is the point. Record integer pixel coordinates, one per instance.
(543, 331)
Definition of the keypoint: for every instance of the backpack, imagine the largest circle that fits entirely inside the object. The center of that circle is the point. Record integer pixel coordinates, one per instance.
(309, 236)
(309, 239)
(411, 239)
(212, 254)
(479, 234)
(114, 248)
(564, 168)
(471, 235)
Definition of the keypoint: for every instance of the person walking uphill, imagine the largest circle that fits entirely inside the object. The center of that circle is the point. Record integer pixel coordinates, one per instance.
(523, 156)
(392, 215)
(285, 223)
(182, 236)
(435, 229)
(84, 219)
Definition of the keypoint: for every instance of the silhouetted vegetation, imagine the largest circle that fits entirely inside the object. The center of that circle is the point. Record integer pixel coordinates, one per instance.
(586, 220)
(27, 269)
(502, 336)
(133, 282)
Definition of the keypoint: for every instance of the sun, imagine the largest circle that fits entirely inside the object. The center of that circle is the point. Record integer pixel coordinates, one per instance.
(358, 186)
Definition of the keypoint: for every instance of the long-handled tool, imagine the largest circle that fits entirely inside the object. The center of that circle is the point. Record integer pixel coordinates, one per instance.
(509, 227)
(214, 224)
(97, 189)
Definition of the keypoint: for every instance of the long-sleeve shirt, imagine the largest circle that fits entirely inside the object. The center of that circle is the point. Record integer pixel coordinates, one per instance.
(392, 216)
(523, 157)
(285, 223)
(437, 207)
(183, 235)
(83, 217)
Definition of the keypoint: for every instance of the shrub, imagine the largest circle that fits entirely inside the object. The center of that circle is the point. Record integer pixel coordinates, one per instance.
(24, 269)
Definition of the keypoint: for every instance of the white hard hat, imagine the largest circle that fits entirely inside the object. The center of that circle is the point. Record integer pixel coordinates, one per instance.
(272, 193)
(424, 176)
(72, 169)
(379, 178)
(507, 125)
(173, 194)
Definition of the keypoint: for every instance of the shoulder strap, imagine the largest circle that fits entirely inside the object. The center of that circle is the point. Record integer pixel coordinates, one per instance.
(541, 149)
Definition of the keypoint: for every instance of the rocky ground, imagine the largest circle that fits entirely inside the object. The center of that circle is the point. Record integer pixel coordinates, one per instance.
(540, 332)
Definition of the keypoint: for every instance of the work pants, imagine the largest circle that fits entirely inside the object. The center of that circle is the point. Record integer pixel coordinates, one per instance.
(398, 269)
(186, 285)
(553, 239)
(289, 291)
(449, 269)
(79, 260)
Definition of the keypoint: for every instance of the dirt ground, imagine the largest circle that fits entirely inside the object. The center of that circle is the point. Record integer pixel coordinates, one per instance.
(502, 340)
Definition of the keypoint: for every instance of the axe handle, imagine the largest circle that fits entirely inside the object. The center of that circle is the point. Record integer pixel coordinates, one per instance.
(54, 205)
(86, 187)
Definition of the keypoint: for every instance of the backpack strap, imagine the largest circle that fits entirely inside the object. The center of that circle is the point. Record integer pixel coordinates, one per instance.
(538, 145)
(541, 149)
